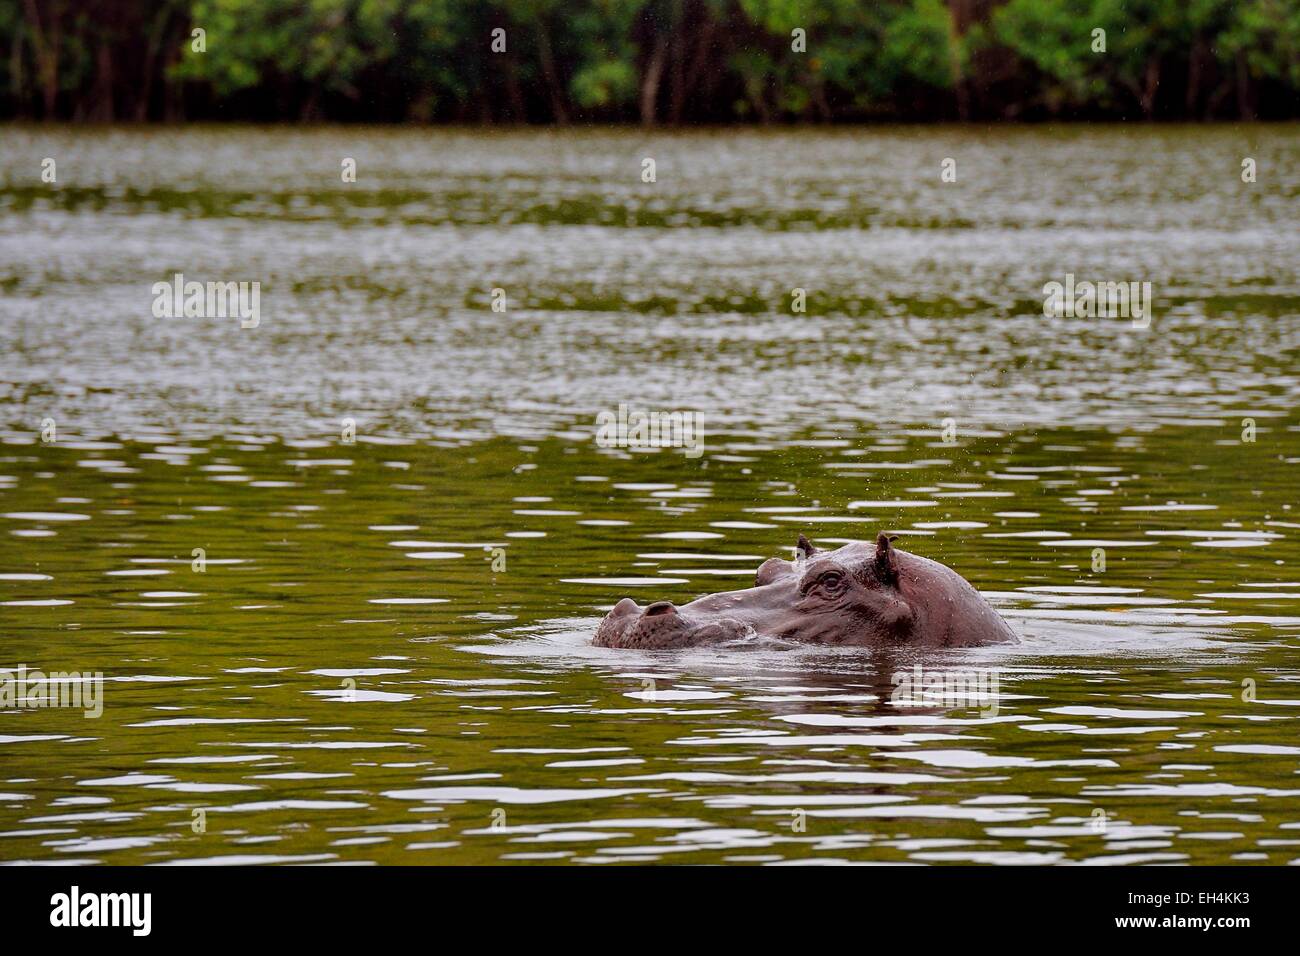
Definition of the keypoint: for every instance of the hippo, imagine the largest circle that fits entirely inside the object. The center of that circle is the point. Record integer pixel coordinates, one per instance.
(857, 595)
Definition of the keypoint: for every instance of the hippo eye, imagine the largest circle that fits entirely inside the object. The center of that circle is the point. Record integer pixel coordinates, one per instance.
(831, 581)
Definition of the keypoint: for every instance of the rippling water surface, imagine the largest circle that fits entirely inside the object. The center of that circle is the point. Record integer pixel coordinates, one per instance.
(387, 657)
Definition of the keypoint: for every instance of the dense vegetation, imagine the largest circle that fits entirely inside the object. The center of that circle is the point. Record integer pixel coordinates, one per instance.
(666, 61)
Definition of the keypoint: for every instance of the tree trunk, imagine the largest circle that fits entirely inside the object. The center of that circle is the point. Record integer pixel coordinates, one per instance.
(824, 112)
(1194, 77)
(173, 95)
(17, 80)
(1150, 86)
(156, 35)
(677, 76)
(516, 94)
(699, 60)
(484, 102)
(310, 110)
(46, 49)
(756, 88)
(650, 82)
(1243, 87)
(102, 111)
(549, 72)
(957, 12)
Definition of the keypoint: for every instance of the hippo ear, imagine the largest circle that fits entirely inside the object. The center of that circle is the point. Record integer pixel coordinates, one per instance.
(804, 547)
(886, 560)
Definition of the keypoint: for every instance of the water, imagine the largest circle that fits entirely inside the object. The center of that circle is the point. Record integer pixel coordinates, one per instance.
(387, 658)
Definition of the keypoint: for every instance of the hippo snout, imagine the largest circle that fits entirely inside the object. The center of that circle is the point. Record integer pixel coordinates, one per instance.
(662, 624)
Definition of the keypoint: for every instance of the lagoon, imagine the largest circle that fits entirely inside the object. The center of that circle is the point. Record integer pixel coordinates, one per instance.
(385, 656)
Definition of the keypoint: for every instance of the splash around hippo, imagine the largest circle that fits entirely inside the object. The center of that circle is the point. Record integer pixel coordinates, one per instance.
(861, 594)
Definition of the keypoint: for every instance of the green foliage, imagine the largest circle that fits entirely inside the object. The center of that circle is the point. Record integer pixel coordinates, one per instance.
(1148, 44)
(604, 83)
(918, 43)
(604, 75)
(323, 42)
(1267, 34)
(429, 60)
(1058, 43)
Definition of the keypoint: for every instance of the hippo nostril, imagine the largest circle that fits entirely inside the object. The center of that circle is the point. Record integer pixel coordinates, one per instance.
(625, 607)
(660, 607)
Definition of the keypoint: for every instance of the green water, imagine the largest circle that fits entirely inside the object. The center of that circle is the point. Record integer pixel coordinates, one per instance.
(386, 656)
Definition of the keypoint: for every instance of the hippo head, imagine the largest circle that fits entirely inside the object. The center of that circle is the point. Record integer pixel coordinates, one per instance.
(851, 595)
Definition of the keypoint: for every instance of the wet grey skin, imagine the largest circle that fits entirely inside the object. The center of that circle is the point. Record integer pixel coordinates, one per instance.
(862, 594)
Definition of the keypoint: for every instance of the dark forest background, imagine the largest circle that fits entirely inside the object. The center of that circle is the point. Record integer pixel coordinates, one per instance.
(652, 61)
